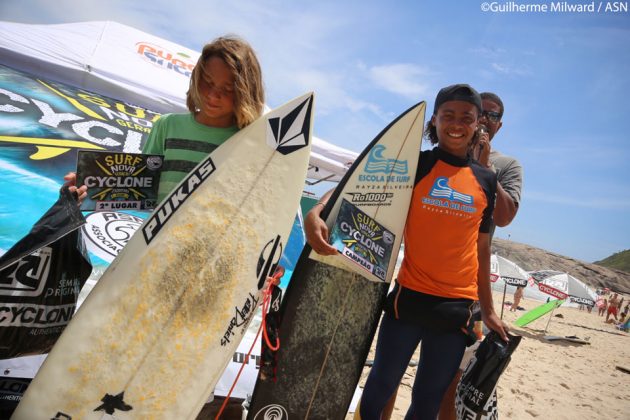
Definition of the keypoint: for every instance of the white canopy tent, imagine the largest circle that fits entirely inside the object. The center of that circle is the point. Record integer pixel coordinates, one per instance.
(130, 65)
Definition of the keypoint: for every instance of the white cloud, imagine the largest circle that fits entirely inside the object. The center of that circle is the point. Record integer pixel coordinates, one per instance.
(402, 79)
(510, 70)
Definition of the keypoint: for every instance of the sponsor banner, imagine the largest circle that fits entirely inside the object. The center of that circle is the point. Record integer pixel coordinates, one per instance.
(362, 239)
(27, 276)
(43, 125)
(119, 181)
(515, 282)
(551, 291)
(106, 233)
(582, 301)
(11, 391)
(39, 316)
(51, 119)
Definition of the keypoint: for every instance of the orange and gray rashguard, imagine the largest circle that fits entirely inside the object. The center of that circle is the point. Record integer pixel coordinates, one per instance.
(453, 200)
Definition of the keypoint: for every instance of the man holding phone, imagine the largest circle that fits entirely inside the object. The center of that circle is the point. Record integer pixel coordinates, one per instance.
(509, 171)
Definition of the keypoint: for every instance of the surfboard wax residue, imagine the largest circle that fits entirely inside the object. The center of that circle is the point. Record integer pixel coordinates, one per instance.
(170, 316)
(162, 345)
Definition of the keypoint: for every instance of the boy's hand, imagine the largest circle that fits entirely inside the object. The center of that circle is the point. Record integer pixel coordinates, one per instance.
(71, 181)
(493, 322)
(317, 234)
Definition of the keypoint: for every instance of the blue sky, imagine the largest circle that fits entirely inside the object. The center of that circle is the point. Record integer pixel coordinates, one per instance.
(563, 77)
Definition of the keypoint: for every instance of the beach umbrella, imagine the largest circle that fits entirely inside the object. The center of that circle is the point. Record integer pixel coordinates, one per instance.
(563, 286)
(503, 269)
(508, 271)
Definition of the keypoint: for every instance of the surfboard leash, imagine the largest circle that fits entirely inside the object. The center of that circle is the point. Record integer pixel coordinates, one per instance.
(271, 329)
(267, 292)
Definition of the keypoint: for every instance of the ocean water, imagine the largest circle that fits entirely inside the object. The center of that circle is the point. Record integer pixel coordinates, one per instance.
(25, 196)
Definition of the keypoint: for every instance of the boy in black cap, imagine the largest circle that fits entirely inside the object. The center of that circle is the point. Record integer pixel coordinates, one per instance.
(446, 265)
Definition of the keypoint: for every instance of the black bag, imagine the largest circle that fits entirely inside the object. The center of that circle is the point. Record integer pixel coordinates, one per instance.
(434, 312)
(475, 397)
(40, 280)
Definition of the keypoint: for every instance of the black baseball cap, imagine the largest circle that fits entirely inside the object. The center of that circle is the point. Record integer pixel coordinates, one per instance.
(458, 92)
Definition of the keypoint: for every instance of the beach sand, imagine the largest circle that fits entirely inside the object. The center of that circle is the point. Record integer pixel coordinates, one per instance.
(555, 380)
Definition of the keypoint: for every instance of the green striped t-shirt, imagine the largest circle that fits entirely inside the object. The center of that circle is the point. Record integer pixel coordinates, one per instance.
(184, 143)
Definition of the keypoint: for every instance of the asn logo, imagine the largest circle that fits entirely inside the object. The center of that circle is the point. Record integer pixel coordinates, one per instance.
(377, 163)
(180, 63)
(441, 189)
(272, 412)
(27, 276)
(291, 132)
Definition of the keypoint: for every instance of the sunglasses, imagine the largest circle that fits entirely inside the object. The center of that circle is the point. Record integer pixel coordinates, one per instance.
(492, 115)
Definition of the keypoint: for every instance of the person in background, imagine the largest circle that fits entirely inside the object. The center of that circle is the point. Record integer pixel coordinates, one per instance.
(509, 171)
(603, 307)
(624, 313)
(446, 265)
(612, 307)
(518, 295)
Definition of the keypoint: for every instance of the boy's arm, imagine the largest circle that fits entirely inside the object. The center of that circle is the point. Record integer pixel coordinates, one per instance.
(484, 292)
(316, 230)
(508, 194)
(504, 209)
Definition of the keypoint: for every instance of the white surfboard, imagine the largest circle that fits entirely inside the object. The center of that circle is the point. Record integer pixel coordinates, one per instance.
(153, 337)
(382, 186)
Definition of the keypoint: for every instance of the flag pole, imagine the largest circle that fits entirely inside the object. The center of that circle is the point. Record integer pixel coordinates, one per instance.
(503, 302)
(550, 316)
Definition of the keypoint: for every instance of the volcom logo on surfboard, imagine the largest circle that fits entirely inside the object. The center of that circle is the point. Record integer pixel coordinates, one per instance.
(268, 260)
(272, 412)
(291, 132)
